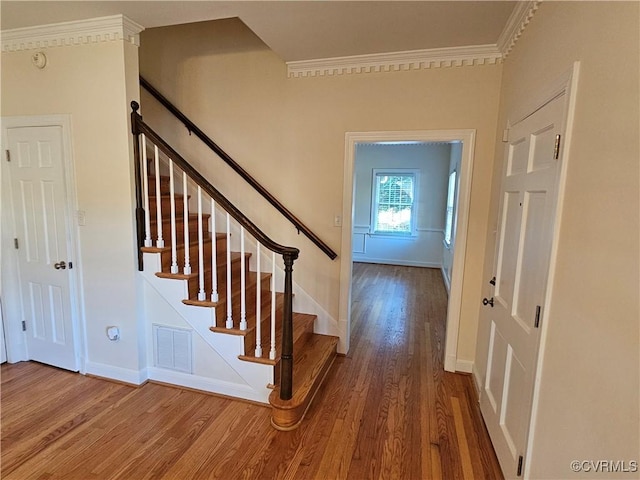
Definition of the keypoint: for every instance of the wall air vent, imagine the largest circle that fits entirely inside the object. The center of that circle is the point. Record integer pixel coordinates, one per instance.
(172, 348)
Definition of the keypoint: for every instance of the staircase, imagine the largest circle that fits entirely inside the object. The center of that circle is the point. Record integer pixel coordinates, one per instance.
(244, 309)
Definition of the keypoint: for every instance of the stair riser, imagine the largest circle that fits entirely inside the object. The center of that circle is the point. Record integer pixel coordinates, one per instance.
(165, 205)
(164, 185)
(221, 276)
(193, 230)
(250, 300)
(302, 332)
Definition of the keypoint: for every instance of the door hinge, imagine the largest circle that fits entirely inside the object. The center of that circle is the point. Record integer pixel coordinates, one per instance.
(505, 135)
(556, 147)
(24, 325)
(536, 322)
(8, 154)
(520, 460)
(15, 243)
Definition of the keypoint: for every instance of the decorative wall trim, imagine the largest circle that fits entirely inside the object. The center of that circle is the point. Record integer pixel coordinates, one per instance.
(520, 17)
(397, 61)
(386, 261)
(79, 32)
(401, 143)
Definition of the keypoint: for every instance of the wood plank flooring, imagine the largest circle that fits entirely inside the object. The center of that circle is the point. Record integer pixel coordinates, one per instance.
(387, 411)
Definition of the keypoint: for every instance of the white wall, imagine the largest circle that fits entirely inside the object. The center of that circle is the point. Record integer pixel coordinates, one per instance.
(423, 249)
(94, 83)
(589, 384)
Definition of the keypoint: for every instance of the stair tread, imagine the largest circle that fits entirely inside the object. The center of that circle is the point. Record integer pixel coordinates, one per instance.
(309, 370)
(179, 218)
(302, 323)
(235, 256)
(250, 282)
(192, 243)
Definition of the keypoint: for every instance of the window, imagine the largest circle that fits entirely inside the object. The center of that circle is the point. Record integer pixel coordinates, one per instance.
(394, 200)
(451, 198)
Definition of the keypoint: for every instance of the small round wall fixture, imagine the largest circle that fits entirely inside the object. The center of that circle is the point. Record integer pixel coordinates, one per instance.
(39, 59)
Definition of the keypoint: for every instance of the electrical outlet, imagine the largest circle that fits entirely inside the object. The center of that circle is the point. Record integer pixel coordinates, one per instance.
(337, 221)
(81, 218)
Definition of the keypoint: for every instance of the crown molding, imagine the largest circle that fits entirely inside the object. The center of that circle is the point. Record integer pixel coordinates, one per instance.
(421, 59)
(79, 32)
(397, 61)
(520, 17)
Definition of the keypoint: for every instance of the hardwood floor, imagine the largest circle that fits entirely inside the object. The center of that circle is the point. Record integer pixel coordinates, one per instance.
(387, 410)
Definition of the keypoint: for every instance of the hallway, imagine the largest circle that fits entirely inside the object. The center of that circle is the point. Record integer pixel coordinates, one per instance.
(388, 410)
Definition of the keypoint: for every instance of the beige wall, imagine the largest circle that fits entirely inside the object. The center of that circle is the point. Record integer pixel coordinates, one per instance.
(94, 84)
(290, 134)
(589, 392)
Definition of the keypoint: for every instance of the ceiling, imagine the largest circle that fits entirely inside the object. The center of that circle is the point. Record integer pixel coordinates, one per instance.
(300, 30)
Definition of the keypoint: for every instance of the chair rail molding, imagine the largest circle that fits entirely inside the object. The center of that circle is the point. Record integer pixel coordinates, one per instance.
(79, 32)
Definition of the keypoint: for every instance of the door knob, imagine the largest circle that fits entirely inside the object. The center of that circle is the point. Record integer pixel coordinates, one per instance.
(487, 301)
(60, 266)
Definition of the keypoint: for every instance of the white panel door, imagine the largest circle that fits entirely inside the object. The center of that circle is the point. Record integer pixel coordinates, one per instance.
(523, 248)
(39, 199)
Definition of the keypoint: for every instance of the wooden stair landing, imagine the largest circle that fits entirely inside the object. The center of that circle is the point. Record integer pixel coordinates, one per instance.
(309, 369)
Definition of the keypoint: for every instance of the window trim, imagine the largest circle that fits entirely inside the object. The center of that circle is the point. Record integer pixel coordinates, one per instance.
(450, 193)
(405, 172)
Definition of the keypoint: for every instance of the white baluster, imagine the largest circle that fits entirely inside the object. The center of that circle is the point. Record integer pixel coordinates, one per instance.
(202, 295)
(243, 284)
(272, 352)
(229, 315)
(187, 264)
(214, 253)
(258, 304)
(145, 187)
(160, 240)
(174, 249)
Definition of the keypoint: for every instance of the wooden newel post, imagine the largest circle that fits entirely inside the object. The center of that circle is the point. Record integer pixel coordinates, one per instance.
(135, 116)
(286, 357)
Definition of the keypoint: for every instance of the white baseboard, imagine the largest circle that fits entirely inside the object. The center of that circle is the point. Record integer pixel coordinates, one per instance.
(477, 381)
(207, 384)
(447, 284)
(126, 375)
(464, 366)
(402, 263)
(450, 362)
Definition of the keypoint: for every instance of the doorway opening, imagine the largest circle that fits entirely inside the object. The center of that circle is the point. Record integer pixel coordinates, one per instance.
(465, 138)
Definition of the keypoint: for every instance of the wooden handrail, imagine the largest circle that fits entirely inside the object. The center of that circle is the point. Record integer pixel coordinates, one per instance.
(193, 128)
(289, 254)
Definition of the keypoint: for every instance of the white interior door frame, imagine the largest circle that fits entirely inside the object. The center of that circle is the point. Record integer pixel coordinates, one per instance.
(467, 137)
(567, 83)
(15, 337)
